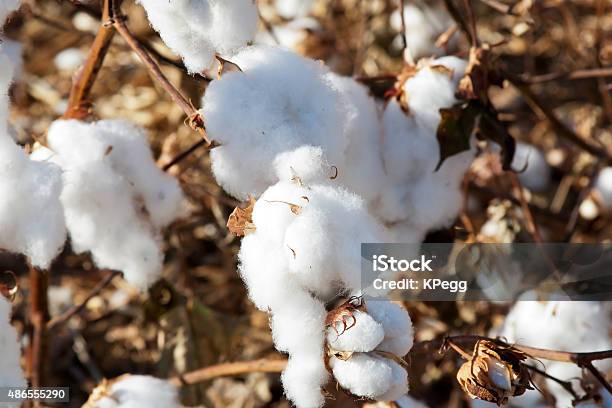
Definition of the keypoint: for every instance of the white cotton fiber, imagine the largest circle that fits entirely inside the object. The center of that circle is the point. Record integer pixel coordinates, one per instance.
(588, 323)
(603, 187)
(115, 198)
(280, 102)
(399, 333)
(304, 165)
(534, 171)
(6, 8)
(303, 378)
(371, 376)
(408, 402)
(361, 333)
(415, 194)
(363, 169)
(197, 29)
(11, 374)
(134, 391)
(423, 26)
(290, 35)
(31, 215)
(291, 9)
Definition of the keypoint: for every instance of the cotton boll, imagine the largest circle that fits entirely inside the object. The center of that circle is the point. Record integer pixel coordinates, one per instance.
(196, 30)
(69, 59)
(363, 170)
(362, 334)
(132, 391)
(115, 199)
(423, 25)
(289, 35)
(291, 9)
(370, 376)
(31, 214)
(399, 333)
(302, 380)
(603, 187)
(11, 374)
(531, 163)
(283, 101)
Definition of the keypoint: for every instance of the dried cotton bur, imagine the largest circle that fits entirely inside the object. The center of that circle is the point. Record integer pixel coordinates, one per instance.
(494, 372)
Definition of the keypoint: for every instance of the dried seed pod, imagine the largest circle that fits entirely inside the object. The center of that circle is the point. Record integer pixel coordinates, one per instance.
(494, 373)
(240, 221)
(343, 315)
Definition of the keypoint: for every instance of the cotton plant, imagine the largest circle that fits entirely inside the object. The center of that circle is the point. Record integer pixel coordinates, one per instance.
(291, 9)
(114, 198)
(534, 170)
(603, 188)
(132, 391)
(197, 30)
(589, 323)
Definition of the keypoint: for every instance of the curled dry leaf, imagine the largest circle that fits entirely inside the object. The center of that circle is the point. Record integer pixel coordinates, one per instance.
(342, 318)
(494, 373)
(240, 221)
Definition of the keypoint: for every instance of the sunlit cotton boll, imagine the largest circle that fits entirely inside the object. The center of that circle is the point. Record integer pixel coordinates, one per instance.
(31, 214)
(397, 325)
(132, 391)
(372, 376)
(603, 187)
(534, 171)
(280, 101)
(361, 334)
(197, 29)
(115, 198)
(11, 374)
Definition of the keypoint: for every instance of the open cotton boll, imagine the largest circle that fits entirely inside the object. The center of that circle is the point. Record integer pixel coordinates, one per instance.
(132, 391)
(31, 213)
(284, 101)
(399, 333)
(290, 35)
(115, 199)
(198, 29)
(371, 376)
(291, 9)
(6, 8)
(408, 402)
(11, 374)
(534, 171)
(364, 334)
(302, 380)
(424, 25)
(305, 165)
(603, 187)
(363, 169)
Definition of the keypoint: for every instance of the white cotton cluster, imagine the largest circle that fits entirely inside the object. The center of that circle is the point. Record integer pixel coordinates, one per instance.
(11, 374)
(291, 9)
(588, 322)
(603, 187)
(31, 216)
(416, 197)
(305, 249)
(6, 8)
(198, 29)
(134, 391)
(115, 199)
(424, 24)
(367, 337)
(289, 35)
(534, 170)
(285, 103)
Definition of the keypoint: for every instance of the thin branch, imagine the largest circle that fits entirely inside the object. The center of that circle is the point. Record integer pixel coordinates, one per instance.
(573, 75)
(532, 226)
(227, 369)
(194, 118)
(597, 374)
(567, 386)
(39, 314)
(183, 155)
(85, 77)
(76, 309)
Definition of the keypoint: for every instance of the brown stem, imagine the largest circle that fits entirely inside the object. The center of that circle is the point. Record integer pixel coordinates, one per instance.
(76, 309)
(574, 75)
(195, 119)
(226, 369)
(532, 227)
(597, 374)
(84, 78)
(39, 314)
(567, 386)
(183, 155)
